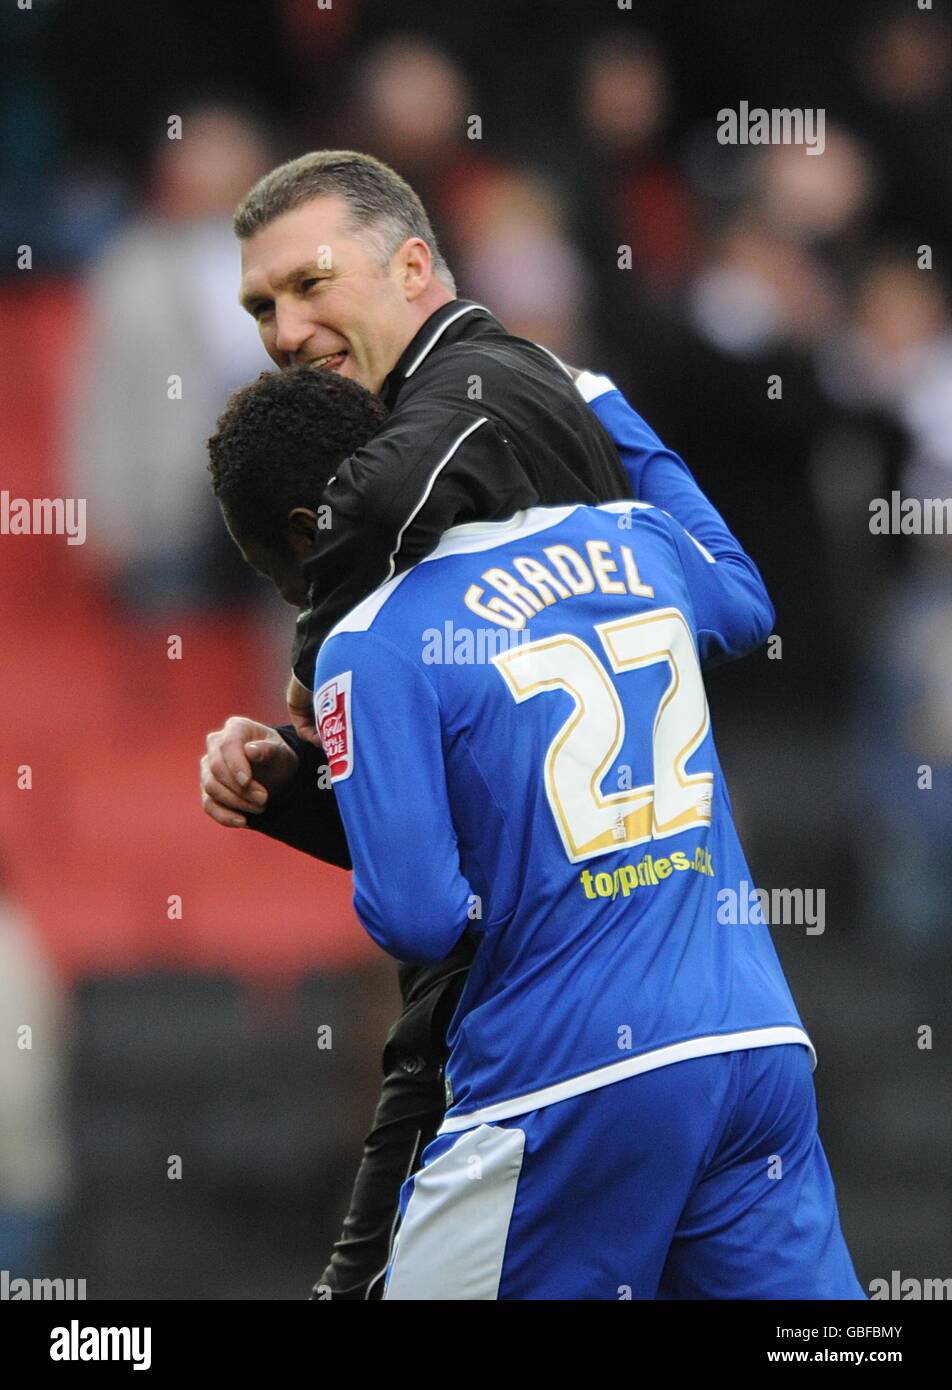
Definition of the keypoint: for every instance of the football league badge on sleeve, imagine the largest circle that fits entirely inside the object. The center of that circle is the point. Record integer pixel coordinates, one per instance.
(333, 720)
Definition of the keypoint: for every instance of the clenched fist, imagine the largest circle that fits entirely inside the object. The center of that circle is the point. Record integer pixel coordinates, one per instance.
(245, 764)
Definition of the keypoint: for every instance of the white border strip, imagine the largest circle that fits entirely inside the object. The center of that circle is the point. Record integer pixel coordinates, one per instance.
(632, 1066)
(468, 309)
(483, 420)
(591, 385)
(557, 360)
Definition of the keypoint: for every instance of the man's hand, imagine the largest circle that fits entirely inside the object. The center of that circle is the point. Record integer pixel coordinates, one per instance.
(245, 763)
(301, 709)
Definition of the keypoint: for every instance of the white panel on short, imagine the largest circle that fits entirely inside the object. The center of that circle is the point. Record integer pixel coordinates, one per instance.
(451, 1242)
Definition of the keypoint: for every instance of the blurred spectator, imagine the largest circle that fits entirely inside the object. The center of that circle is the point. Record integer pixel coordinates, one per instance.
(412, 102)
(903, 66)
(816, 199)
(162, 304)
(728, 381)
(895, 353)
(895, 357)
(34, 1167)
(512, 249)
(887, 371)
(633, 184)
(411, 107)
(902, 776)
(760, 290)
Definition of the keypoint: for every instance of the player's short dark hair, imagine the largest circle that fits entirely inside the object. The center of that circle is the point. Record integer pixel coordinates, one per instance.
(280, 440)
(381, 204)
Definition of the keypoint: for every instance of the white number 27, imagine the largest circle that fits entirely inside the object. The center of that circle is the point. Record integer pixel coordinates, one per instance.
(590, 821)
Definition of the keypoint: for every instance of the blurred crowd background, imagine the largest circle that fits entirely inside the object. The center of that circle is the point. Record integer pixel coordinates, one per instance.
(175, 975)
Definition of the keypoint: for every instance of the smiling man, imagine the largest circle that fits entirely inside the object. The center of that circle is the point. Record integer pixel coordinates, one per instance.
(335, 281)
(341, 271)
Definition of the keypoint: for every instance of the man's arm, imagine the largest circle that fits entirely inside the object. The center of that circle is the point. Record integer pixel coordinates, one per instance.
(272, 780)
(737, 612)
(733, 614)
(379, 721)
(306, 815)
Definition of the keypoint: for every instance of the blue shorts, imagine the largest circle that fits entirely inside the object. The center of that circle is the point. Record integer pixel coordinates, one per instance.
(702, 1179)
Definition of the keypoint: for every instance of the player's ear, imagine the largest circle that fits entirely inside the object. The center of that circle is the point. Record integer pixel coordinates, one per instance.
(302, 530)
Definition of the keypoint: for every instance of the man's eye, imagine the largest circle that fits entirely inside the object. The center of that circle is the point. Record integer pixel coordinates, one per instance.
(259, 310)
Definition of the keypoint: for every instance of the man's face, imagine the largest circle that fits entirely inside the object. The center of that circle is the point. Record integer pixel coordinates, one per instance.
(320, 295)
(280, 565)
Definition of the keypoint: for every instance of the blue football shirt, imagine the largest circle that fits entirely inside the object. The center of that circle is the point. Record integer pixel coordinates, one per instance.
(520, 743)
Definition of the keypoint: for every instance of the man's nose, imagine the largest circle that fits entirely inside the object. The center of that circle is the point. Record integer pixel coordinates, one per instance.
(292, 329)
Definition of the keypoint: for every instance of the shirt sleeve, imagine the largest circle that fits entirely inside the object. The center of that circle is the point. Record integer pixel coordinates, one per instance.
(379, 721)
(732, 612)
(305, 815)
(733, 609)
(430, 467)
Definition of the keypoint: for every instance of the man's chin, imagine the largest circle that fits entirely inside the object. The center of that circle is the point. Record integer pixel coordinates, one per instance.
(353, 371)
(350, 369)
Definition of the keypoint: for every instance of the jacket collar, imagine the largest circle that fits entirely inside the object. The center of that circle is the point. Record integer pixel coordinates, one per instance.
(446, 324)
